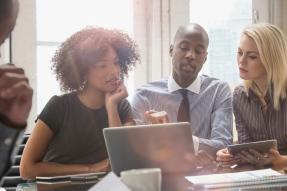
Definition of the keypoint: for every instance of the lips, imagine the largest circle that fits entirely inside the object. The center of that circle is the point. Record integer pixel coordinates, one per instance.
(113, 82)
(187, 67)
(242, 70)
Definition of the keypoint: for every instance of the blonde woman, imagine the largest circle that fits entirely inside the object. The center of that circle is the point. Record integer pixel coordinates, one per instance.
(260, 105)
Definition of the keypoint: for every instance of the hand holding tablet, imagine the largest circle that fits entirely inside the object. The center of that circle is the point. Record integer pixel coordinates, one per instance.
(260, 146)
(256, 153)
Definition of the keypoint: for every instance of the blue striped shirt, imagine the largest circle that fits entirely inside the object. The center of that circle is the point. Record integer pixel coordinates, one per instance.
(210, 107)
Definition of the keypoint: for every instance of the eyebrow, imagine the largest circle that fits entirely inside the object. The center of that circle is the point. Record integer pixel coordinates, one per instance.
(183, 42)
(249, 52)
(252, 52)
(116, 58)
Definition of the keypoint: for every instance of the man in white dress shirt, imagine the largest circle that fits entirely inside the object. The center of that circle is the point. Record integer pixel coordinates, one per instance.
(207, 99)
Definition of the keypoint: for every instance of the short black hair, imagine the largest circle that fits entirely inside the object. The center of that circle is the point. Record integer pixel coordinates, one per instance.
(75, 56)
(183, 28)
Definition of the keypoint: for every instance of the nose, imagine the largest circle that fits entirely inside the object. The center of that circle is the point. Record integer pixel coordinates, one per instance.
(241, 59)
(190, 54)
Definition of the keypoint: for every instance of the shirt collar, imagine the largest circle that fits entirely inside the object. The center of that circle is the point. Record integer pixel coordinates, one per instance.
(193, 87)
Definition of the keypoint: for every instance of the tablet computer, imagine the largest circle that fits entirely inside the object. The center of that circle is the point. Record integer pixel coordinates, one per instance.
(260, 146)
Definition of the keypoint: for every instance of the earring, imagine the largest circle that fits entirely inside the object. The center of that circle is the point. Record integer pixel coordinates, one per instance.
(84, 84)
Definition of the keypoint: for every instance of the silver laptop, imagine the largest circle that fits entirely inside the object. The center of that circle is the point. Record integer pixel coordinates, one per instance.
(167, 146)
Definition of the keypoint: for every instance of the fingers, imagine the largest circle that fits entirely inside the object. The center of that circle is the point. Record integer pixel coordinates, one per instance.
(224, 156)
(120, 89)
(20, 89)
(247, 157)
(8, 79)
(15, 93)
(10, 68)
(253, 157)
(161, 116)
(13, 82)
(274, 152)
(156, 117)
(117, 95)
(262, 159)
(256, 154)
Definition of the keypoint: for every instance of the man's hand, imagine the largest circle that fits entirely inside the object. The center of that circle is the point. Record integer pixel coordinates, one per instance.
(225, 159)
(155, 117)
(15, 94)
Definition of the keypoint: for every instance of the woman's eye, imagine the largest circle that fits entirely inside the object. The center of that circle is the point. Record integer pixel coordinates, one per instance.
(252, 57)
(100, 65)
(240, 53)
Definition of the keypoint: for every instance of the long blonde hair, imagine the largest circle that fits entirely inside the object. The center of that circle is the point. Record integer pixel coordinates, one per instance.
(272, 47)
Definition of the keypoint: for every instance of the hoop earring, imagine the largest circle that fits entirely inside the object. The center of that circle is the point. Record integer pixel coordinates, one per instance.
(84, 84)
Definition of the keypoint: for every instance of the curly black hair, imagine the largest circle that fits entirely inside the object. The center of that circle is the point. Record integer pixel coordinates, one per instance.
(75, 56)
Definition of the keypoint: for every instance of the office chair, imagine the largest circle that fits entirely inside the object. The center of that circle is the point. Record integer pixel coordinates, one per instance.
(12, 178)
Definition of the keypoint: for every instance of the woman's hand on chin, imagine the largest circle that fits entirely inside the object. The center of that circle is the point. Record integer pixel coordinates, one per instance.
(114, 97)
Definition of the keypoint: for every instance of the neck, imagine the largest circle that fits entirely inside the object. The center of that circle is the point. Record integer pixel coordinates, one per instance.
(184, 83)
(91, 98)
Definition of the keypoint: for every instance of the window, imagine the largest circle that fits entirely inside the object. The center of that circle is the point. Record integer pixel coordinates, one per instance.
(5, 52)
(224, 21)
(57, 20)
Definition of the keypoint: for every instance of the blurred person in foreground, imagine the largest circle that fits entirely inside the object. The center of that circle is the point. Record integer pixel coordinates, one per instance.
(15, 92)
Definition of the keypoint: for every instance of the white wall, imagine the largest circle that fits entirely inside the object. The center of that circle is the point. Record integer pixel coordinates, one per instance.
(271, 11)
(261, 11)
(24, 47)
(4, 50)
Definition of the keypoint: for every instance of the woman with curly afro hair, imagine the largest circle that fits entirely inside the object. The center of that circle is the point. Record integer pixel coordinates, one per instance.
(67, 138)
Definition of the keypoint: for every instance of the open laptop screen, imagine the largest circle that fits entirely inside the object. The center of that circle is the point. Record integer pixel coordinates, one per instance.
(167, 146)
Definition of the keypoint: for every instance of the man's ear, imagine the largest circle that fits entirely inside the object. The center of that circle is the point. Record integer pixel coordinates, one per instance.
(170, 49)
(205, 57)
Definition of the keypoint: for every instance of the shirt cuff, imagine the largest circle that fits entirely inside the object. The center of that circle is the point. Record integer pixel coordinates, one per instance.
(195, 143)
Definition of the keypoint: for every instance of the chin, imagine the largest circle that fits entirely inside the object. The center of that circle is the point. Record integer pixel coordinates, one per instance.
(188, 77)
(244, 77)
(110, 89)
